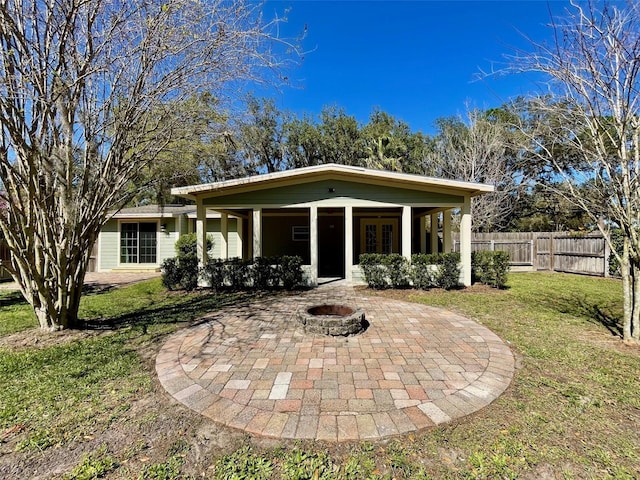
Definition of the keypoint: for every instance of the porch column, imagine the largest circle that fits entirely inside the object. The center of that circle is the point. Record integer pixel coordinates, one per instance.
(465, 241)
(257, 232)
(313, 242)
(433, 233)
(406, 232)
(201, 232)
(446, 232)
(423, 234)
(348, 243)
(224, 236)
(240, 235)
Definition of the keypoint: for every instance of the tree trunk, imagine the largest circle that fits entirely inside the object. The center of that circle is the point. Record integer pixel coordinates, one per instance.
(627, 289)
(635, 316)
(54, 290)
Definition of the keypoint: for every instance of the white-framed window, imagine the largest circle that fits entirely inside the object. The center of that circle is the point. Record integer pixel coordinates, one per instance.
(138, 242)
(300, 233)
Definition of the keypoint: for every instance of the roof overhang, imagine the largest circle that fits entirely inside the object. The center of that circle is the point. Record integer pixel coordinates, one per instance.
(331, 171)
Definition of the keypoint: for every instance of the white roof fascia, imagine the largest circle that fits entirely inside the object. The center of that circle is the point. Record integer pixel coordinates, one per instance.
(472, 188)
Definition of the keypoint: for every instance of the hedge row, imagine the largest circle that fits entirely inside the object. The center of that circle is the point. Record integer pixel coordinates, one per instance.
(425, 270)
(432, 270)
(234, 274)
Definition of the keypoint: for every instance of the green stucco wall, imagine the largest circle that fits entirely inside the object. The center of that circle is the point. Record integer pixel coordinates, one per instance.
(109, 242)
(316, 191)
(277, 237)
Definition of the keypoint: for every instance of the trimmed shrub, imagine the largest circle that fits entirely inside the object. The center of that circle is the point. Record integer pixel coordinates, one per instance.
(501, 267)
(448, 274)
(291, 271)
(187, 244)
(237, 273)
(262, 273)
(214, 272)
(181, 272)
(171, 274)
(421, 273)
(188, 265)
(397, 270)
(490, 267)
(385, 271)
(375, 273)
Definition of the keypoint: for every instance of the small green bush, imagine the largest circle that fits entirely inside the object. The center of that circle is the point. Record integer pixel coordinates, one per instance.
(171, 274)
(374, 270)
(291, 271)
(182, 271)
(187, 244)
(490, 267)
(237, 273)
(397, 270)
(264, 273)
(448, 275)
(422, 274)
(214, 273)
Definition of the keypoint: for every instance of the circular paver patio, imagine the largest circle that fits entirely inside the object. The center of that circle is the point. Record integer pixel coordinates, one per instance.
(252, 367)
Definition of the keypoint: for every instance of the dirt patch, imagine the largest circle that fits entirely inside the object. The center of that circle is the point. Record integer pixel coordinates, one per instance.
(37, 338)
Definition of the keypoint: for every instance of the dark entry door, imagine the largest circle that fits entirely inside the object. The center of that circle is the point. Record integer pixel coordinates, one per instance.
(330, 246)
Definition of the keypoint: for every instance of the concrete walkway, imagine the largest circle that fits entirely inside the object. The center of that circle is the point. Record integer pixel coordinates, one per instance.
(251, 367)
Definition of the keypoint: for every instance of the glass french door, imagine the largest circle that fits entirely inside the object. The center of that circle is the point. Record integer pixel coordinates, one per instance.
(379, 236)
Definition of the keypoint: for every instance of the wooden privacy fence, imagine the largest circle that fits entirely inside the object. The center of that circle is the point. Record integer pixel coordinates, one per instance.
(5, 256)
(554, 251)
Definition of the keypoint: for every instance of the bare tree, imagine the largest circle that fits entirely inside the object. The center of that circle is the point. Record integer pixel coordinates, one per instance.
(594, 67)
(481, 148)
(78, 79)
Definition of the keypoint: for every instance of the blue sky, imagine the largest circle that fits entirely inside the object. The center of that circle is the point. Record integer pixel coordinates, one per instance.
(413, 59)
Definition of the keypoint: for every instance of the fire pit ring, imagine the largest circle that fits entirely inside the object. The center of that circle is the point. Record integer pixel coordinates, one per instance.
(332, 319)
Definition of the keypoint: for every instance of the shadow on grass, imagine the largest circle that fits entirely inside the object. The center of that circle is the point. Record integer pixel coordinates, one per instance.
(11, 297)
(579, 306)
(190, 310)
(595, 314)
(97, 288)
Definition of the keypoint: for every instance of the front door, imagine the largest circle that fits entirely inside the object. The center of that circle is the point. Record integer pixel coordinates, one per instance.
(379, 235)
(330, 246)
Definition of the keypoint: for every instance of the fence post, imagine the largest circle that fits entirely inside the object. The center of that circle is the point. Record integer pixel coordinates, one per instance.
(552, 259)
(493, 245)
(607, 254)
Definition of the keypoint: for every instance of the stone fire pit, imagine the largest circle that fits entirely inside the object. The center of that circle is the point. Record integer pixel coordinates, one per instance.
(331, 319)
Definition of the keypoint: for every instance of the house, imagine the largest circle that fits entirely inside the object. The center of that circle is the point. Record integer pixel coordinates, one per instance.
(140, 238)
(328, 214)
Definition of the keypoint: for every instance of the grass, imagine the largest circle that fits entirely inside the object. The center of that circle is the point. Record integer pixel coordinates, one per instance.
(68, 390)
(571, 411)
(16, 313)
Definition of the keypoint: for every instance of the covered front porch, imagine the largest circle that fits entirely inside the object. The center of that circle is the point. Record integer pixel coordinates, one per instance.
(331, 214)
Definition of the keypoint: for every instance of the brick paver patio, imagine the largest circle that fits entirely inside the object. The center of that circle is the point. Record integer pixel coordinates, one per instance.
(251, 367)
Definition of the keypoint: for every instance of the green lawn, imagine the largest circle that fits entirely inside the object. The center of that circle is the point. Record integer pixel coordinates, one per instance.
(573, 409)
